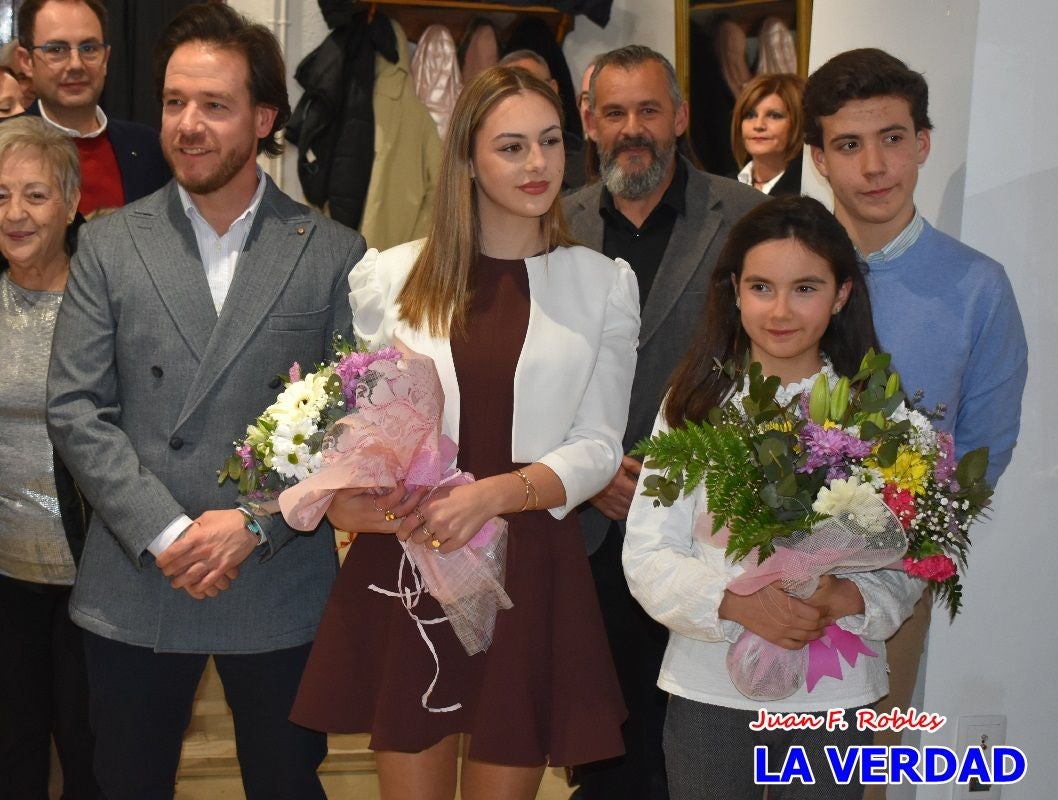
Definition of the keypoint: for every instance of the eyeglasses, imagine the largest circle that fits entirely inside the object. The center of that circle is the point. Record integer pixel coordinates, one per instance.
(56, 53)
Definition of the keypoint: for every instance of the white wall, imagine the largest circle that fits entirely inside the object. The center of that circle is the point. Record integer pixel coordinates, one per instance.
(934, 38)
(1000, 655)
(990, 176)
(649, 22)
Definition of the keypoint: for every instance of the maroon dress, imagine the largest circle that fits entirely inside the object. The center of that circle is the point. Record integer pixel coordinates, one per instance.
(545, 691)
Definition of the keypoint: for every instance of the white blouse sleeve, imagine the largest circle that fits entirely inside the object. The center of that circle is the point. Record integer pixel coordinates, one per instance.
(590, 455)
(678, 581)
(889, 597)
(367, 301)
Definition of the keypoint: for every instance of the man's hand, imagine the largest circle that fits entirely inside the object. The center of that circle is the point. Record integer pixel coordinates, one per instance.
(614, 500)
(206, 559)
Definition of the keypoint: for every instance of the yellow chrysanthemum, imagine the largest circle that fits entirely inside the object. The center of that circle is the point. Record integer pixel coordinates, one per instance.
(784, 425)
(909, 471)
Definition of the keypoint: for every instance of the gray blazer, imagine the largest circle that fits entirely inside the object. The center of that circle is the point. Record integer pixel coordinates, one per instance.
(147, 390)
(674, 306)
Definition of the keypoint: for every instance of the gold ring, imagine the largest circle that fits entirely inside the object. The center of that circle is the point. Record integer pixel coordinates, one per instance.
(389, 515)
(435, 543)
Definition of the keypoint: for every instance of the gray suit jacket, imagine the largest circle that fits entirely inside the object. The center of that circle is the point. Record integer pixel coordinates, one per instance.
(674, 306)
(148, 389)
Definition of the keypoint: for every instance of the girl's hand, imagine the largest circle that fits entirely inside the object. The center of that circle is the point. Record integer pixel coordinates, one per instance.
(774, 615)
(451, 516)
(363, 511)
(836, 598)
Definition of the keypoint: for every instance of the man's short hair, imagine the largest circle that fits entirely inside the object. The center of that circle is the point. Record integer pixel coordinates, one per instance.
(632, 56)
(525, 55)
(27, 17)
(221, 26)
(861, 75)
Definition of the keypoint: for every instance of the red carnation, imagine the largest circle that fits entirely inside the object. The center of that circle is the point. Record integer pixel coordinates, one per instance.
(901, 502)
(931, 568)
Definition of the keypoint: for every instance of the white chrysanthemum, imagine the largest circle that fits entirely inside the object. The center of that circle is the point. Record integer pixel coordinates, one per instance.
(303, 399)
(900, 413)
(295, 431)
(919, 421)
(871, 476)
(853, 502)
(291, 461)
(841, 496)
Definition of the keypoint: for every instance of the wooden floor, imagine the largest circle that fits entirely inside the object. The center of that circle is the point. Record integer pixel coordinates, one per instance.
(209, 770)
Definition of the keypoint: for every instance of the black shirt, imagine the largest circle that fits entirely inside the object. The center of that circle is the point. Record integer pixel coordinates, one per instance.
(643, 247)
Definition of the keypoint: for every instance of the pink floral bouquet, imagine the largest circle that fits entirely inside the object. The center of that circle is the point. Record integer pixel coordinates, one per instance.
(847, 478)
(370, 420)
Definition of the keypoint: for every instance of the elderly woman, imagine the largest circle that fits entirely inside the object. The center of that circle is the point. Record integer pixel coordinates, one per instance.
(767, 134)
(43, 688)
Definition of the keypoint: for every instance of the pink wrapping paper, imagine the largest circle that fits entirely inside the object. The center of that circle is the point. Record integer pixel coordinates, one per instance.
(764, 671)
(394, 435)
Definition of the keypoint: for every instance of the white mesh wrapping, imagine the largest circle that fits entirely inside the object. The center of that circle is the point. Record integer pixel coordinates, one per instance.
(863, 537)
(468, 583)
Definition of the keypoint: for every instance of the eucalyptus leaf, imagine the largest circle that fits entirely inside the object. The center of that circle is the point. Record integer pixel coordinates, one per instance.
(887, 453)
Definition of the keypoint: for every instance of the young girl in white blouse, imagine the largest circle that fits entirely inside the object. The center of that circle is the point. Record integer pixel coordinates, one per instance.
(787, 291)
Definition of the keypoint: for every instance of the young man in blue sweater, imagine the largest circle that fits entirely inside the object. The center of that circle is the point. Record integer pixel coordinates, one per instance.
(945, 312)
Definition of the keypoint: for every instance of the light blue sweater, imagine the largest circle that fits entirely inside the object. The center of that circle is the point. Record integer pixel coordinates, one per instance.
(948, 316)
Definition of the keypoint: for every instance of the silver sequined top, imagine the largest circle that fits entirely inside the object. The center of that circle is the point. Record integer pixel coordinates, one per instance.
(32, 542)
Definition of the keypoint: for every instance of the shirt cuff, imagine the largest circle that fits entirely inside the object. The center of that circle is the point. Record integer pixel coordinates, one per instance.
(169, 535)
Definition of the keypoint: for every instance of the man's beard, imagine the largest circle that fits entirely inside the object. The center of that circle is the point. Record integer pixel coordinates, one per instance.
(637, 184)
(226, 169)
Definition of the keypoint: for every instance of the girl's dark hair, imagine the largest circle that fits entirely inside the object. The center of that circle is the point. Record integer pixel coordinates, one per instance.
(696, 386)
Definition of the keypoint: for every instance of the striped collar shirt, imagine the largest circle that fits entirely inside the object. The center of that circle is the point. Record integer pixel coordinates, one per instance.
(900, 244)
(220, 253)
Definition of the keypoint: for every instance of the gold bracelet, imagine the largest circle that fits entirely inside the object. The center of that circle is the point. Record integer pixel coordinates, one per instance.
(529, 488)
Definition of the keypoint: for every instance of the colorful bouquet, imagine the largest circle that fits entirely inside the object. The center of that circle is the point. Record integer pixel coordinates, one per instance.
(370, 420)
(284, 445)
(847, 478)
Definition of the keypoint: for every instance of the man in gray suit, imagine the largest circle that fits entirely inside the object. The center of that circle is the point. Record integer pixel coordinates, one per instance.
(669, 221)
(181, 310)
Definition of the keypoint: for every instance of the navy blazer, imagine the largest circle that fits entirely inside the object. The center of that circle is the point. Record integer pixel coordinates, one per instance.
(138, 152)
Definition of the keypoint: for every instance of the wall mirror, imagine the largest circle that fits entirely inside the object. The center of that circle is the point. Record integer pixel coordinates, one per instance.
(719, 46)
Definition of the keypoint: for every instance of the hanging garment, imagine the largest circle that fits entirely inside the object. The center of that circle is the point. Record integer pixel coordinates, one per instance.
(778, 53)
(532, 33)
(333, 123)
(435, 73)
(407, 156)
(479, 49)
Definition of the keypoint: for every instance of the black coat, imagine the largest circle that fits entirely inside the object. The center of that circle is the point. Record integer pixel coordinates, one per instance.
(333, 125)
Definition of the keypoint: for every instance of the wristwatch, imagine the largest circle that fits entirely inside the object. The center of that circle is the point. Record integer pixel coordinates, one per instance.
(253, 526)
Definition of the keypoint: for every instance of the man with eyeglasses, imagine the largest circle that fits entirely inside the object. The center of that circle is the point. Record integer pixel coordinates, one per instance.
(64, 51)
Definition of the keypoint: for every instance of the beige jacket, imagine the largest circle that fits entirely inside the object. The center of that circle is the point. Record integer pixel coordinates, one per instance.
(407, 157)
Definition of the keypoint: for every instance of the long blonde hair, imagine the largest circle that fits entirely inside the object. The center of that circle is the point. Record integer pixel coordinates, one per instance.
(439, 288)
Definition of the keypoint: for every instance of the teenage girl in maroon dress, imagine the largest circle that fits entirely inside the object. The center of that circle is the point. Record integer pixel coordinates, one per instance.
(535, 343)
